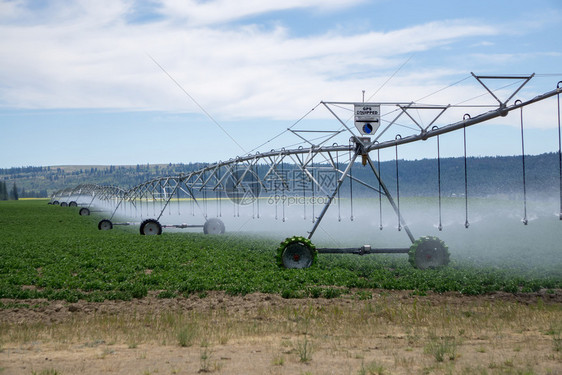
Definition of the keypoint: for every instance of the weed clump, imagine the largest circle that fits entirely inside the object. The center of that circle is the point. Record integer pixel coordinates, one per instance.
(186, 335)
(442, 348)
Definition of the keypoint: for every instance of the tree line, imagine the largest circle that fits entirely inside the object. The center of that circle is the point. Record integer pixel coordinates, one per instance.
(8, 194)
(485, 176)
(40, 182)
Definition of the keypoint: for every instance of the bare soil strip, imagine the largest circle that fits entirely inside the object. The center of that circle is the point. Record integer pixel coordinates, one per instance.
(380, 333)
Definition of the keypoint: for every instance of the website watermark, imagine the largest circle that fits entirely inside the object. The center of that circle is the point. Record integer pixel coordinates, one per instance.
(294, 187)
(290, 200)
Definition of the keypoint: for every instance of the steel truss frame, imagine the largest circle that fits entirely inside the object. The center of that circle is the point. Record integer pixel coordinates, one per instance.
(218, 178)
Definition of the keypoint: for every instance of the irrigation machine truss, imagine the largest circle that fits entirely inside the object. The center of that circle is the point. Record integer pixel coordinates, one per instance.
(238, 179)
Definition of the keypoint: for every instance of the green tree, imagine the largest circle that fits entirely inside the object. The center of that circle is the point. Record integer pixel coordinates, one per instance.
(14, 193)
(3, 192)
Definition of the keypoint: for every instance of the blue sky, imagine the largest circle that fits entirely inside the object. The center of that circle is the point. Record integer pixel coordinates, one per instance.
(78, 84)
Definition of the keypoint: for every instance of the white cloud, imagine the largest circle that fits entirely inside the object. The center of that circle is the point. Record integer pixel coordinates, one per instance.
(86, 55)
(10, 9)
(198, 13)
(483, 43)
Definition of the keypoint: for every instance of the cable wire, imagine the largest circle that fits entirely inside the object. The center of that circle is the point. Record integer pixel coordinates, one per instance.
(197, 104)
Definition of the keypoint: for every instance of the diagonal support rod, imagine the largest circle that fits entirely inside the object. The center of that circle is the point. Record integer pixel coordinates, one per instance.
(504, 103)
(331, 198)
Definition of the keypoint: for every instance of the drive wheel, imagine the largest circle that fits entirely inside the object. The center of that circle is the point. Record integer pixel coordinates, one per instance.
(428, 252)
(213, 226)
(84, 211)
(150, 227)
(64, 204)
(296, 252)
(105, 225)
(56, 203)
(73, 204)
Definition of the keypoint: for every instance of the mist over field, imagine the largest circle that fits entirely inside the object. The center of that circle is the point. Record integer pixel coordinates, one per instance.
(496, 235)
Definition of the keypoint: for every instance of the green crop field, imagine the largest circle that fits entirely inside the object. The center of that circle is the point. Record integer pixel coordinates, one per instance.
(52, 252)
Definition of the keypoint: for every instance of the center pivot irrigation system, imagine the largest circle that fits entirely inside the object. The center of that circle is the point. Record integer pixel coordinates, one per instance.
(287, 174)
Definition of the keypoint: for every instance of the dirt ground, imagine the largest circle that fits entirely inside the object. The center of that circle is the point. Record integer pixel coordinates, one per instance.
(366, 332)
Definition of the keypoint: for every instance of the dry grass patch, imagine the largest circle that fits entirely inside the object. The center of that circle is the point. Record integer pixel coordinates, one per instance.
(394, 334)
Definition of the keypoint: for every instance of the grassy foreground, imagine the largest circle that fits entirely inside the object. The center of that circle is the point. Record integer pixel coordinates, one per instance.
(52, 252)
(391, 333)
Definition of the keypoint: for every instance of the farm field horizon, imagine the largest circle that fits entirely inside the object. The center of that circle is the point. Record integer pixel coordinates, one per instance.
(189, 302)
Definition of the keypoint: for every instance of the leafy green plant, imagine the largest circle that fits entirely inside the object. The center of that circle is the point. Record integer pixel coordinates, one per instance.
(166, 294)
(363, 295)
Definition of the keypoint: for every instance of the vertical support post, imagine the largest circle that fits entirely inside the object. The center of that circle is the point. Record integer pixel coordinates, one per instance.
(466, 223)
(178, 192)
(398, 184)
(257, 174)
(351, 186)
(283, 178)
(205, 197)
(559, 149)
(304, 182)
(440, 227)
(313, 187)
(276, 194)
(339, 200)
(152, 192)
(178, 196)
(525, 221)
(380, 192)
(219, 192)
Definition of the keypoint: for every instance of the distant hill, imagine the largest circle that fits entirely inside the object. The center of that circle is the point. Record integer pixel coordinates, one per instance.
(500, 175)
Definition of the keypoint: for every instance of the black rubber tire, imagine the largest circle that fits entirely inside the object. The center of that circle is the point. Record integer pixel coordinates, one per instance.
(56, 203)
(64, 204)
(297, 252)
(84, 211)
(429, 252)
(213, 226)
(105, 225)
(150, 227)
(73, 204)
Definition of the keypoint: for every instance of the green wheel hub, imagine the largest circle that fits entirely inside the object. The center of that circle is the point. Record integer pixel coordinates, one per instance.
(296, 252)
(428, 252)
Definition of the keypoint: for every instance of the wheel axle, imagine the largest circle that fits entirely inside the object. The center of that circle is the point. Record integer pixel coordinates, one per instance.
(363, 250)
